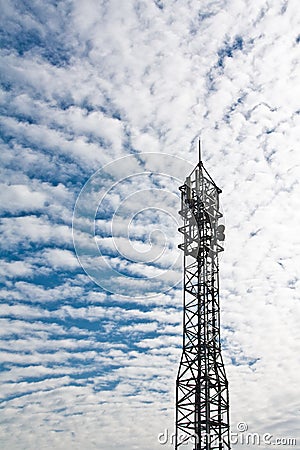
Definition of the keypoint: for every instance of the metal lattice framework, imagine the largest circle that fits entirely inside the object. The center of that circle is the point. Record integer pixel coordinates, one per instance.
(202, 404)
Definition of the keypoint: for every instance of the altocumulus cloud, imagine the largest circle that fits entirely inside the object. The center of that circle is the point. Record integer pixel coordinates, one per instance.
(85, 83)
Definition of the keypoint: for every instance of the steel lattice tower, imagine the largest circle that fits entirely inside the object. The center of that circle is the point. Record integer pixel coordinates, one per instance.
(202, 404)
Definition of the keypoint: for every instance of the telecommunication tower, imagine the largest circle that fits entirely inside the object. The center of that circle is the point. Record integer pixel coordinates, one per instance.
(202, 403)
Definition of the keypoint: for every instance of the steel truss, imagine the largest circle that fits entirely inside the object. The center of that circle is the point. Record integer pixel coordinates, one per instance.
(202, 404)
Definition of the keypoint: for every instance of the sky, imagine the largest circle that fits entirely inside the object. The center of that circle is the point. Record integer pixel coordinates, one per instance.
(102, 104)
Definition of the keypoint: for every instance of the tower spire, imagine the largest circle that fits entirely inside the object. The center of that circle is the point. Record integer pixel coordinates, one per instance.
(199, 152)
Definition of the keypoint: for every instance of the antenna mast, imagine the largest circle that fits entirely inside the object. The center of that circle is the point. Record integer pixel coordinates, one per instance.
(199, 149)
(202, 399)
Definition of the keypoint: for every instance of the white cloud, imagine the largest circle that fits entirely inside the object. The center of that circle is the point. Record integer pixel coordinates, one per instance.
(26, 229)
(19, 197)
(15, 269)
(59, 258)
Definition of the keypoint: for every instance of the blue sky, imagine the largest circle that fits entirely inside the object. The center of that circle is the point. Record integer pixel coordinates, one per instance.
(88, 89)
